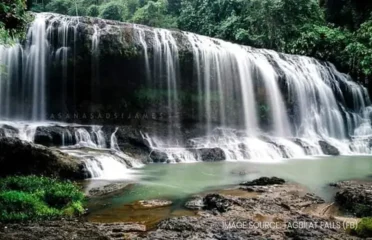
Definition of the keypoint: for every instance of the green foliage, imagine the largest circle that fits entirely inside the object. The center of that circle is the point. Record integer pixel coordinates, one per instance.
(259, 23)
(113, 11)
(59, 6)
(31, 197)
(93, 11)
(154, 14)
(13, 19)
(363, 229)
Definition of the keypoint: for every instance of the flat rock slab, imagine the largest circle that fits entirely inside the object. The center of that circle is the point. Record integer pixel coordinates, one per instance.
(154, 203)
(107, 189)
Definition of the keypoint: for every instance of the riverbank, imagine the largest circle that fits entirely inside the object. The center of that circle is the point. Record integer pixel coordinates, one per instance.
(264, 208)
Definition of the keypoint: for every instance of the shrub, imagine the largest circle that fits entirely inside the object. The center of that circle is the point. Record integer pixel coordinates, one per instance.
(27, 198)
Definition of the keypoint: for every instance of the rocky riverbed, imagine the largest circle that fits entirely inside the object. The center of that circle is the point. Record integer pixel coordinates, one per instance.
(267, 208)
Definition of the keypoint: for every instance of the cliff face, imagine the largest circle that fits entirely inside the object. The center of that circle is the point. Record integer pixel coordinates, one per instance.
(88, 70)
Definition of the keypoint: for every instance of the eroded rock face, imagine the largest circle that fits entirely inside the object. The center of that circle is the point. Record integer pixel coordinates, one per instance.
(355, 197)
(23, 158)
(328, 149)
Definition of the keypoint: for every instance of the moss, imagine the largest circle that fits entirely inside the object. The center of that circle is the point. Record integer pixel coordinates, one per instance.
(31, 197)
(363, 229)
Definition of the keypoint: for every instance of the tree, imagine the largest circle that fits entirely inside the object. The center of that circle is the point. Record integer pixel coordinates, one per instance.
(154, 14)
(59, 6)
(93, 11)
(347, 13)
(113, 11)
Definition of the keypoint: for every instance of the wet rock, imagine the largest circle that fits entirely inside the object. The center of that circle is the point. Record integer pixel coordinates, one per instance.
(155, 203)
(328, 149)
(210, 154)
(264, 181)
(305, 146)
(195, 203)
(54, 136)
(355, 197)
(107, 189)
(22, 158)
(157, 156)
(8, 131)
(132, 142)
(216, 202)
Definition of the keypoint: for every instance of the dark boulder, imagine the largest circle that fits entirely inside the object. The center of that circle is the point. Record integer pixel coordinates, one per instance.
(217, 202)
(54, 136)
(157, 156)
(210, 154)
(22, 158)
(355, 197)
(264, 181)
(328, 149)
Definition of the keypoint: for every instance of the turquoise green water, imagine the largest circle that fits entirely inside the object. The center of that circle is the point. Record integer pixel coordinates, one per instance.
(180, 181)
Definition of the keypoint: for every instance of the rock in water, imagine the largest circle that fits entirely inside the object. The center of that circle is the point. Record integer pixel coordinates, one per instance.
(211, 154)
(328, 149)
(23, 158)
(196, 203)
(264, 181)
(158, 157)
(155, 203)
(107, 189)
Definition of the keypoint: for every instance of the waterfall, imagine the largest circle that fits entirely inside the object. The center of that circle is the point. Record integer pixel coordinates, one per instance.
(253, 104)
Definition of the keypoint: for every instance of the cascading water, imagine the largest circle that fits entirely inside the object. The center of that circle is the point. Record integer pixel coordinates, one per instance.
(254, 104)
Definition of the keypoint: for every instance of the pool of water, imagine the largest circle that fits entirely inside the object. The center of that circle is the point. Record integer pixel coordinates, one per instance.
(177, 182)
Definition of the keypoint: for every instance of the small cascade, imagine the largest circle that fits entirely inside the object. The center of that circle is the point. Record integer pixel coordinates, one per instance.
(103, 165)
(114, 141)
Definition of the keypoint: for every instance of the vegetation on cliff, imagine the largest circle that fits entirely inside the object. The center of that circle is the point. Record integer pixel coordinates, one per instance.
(336, 31)
(13, 19)
(38, 198)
